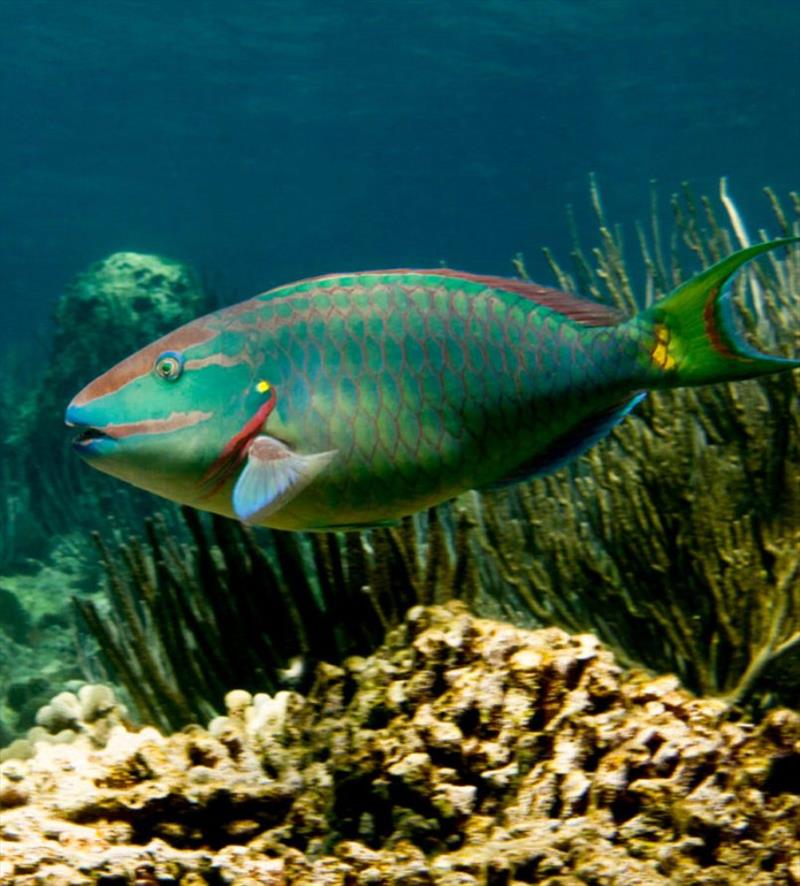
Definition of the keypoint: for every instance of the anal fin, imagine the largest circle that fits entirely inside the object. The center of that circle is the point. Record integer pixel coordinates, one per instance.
(570, 444)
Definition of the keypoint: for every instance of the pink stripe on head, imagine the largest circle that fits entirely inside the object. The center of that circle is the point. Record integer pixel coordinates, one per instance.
(176, 421)
(141, 363)
(214, 360)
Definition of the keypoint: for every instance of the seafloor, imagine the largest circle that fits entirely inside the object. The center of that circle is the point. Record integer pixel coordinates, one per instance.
(464, 751)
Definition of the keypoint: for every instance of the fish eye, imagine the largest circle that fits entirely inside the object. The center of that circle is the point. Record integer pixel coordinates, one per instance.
(169, 366)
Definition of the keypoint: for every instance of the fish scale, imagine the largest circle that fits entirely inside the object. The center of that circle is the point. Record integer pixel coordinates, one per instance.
(461, 389)
(355, 399)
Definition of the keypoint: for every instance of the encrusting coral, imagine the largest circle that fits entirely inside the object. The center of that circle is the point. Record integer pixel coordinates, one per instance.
(92, 712)
(463, 752)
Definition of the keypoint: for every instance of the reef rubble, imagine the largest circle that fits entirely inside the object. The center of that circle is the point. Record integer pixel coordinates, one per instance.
(464, 751)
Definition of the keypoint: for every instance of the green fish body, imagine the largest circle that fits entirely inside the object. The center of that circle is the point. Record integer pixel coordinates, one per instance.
(352, 400)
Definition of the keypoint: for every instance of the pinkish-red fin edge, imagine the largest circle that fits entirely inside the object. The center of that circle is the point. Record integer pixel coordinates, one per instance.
(574, 307)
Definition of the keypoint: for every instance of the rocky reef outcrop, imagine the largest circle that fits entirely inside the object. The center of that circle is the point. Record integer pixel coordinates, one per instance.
(465, 751)
(114, 307)
(49, 502)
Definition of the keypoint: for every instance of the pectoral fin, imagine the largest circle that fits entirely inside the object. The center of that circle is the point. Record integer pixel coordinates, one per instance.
(273, 476)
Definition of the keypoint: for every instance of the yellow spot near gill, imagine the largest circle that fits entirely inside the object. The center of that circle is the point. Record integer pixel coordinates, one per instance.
(263, 386)
(660, 353)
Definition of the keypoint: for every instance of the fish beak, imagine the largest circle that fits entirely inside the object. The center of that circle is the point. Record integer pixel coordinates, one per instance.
(88, 435)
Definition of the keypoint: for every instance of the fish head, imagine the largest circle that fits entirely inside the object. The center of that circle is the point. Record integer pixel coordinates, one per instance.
(174, 418)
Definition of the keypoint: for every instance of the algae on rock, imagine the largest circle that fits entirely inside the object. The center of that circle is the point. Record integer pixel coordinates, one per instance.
(111, 309)
(114, 307)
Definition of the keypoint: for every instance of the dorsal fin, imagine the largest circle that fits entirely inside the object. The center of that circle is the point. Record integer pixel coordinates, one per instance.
(581, 310)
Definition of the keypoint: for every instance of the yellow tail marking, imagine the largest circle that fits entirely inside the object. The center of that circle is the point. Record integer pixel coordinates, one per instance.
(660, 354)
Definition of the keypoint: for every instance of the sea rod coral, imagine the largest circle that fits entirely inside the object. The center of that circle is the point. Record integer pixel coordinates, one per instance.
(234, 607)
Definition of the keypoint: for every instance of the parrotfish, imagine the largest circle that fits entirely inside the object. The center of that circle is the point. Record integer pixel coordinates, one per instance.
(351, 400)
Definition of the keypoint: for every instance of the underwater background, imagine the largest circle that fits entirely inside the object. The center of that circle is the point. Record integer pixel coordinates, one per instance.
(267, 141)
(589, 678)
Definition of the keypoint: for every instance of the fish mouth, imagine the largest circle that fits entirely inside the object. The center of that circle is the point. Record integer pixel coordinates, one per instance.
(88, 436)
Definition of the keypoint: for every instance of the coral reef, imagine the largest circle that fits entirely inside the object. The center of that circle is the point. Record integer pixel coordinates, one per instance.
(676, 541)
(93, 711)
(464, 751)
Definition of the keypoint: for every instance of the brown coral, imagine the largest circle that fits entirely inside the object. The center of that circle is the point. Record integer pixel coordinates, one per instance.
(465, 751)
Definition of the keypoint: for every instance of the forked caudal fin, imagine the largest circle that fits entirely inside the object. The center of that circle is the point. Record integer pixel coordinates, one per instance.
(697, 340)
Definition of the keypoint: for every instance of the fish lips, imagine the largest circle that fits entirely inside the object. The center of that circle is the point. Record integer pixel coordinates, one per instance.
(90, 440)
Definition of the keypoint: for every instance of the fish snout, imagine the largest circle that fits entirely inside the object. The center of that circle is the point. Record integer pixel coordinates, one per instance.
(90, 436)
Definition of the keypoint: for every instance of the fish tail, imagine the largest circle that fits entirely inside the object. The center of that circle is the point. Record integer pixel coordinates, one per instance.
(692, 333)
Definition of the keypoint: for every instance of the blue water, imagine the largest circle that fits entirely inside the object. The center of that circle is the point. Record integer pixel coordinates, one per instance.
(266, 141)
